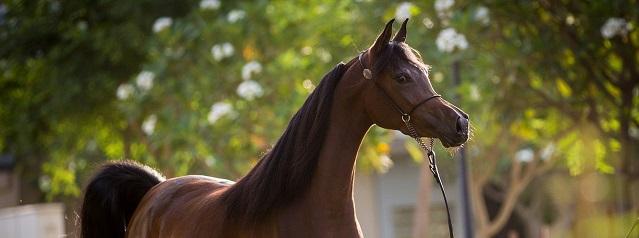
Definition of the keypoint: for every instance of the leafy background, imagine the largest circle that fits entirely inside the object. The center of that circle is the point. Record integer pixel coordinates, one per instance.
(205, 87)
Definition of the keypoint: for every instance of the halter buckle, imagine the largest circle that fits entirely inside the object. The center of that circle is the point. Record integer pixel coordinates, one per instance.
(405, 118)
(367, 74)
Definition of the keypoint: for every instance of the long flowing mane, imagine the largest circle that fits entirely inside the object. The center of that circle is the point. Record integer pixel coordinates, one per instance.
(285, 172)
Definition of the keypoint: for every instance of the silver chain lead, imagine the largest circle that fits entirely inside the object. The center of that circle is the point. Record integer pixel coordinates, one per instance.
(432, 164)
(420, 141)
(430, 155)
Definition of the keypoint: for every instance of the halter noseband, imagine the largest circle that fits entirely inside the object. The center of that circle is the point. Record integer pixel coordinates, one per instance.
(430, 154)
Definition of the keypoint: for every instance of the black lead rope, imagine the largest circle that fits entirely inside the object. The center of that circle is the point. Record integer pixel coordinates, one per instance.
(430, 154)
(432, 163)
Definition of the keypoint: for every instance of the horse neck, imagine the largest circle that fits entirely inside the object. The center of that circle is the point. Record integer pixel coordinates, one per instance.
(332, 185)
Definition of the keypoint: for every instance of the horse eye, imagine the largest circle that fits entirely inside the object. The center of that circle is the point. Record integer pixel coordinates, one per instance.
(402, 78)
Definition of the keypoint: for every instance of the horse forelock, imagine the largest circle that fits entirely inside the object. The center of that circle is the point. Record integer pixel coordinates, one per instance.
(395, 55)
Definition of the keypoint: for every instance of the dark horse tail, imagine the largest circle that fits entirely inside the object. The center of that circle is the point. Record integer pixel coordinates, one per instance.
(112, 196)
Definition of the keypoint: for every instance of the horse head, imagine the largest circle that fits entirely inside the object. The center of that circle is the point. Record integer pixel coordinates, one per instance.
(399, 92)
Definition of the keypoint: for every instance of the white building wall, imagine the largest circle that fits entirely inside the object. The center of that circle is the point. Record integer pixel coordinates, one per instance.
(32, 221)
(365, 192)
(385, 202)
(397, 189)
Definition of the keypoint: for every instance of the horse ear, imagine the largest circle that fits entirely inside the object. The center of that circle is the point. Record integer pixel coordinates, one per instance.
(383, 39)
(401, 34)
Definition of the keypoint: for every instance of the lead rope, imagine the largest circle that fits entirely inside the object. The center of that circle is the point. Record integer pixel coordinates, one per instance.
(430, 154)
(432, 164)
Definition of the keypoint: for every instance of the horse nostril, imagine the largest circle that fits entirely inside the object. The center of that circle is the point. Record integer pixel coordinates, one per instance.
(462, 125)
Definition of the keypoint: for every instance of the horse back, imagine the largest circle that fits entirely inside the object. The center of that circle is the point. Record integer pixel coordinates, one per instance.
(180, 207)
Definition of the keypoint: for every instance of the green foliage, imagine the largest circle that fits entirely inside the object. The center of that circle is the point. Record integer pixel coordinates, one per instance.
(632, 228)
(89, 81)
(548, 67)
(60, 64)
(104, 80)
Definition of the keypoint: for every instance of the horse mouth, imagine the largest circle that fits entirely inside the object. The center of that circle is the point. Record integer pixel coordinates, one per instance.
(449, 142)
(446, 141)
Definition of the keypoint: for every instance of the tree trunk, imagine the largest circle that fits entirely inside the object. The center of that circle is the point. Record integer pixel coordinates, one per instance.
(626, 170)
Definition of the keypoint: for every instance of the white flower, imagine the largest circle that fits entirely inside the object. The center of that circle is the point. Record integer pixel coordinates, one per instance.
(403, 11)
(324, 55)
(227, 49)
(145, 80)
(209, 160)
(547, 151)
(218, 110)
(217, 53)
(250, 90)
(438, 77)
(443, 5)
(570, 20)
(307, 50)
(45, 182)
(448, 39)
(634, 131)
(385, 162)
(615, 26)
(124, 91)
(428, 23)
(525, 155)
(235, 15)
(482, 15)
(221, 51)
(251, 68)
(82, 25)
(148, 126)
(210, 4)
(308, 85)
(161, 23)
(474, 92)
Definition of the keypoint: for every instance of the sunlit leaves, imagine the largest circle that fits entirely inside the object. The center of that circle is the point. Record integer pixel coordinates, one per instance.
(375, 153)
(602, 162)
(414, 151)
(563, 88)
(569, 58)
(573, 150)
(610, 125)
(615, 63)
(62, 181)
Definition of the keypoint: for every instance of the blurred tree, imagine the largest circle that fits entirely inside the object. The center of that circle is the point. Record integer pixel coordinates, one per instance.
(583, 85)
(589, 72)
(60, 64)
(521, 162)
(188, 87)
(206, 86)
(579, 59)
(557, 66)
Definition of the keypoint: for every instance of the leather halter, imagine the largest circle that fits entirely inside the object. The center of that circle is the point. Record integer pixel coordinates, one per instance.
(430, 154)
(405, 116)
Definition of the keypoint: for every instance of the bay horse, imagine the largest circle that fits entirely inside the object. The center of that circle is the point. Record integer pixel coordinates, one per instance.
(303, 187)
